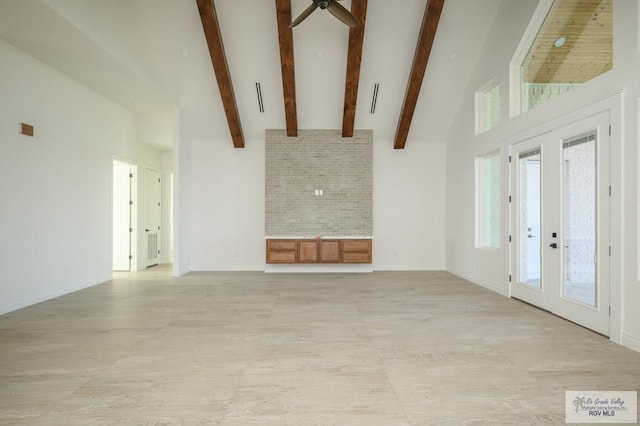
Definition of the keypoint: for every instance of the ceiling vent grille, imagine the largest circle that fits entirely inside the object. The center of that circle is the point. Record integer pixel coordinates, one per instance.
(374, 98)
(259, 95)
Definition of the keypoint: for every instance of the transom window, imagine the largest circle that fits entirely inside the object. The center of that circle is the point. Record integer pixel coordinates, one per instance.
(570, 46)
(488, 106)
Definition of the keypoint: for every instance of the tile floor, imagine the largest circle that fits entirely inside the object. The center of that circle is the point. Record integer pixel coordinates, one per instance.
(388, 348)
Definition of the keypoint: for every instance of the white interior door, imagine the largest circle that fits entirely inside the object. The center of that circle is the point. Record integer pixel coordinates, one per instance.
(560, 222)
(122, 216)
(152, 213)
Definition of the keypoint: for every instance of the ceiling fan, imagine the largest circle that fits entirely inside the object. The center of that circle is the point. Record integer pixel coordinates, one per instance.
(335, 8)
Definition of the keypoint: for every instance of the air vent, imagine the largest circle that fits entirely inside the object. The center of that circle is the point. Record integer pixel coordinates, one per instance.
(259, 95)
(374, 98)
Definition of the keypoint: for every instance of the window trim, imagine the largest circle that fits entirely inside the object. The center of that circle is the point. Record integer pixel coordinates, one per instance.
(479, 98)
(479, 199)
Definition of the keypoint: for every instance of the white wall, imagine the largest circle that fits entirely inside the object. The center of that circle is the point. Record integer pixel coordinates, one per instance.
(56, 187)
(224, 208)
(166, 226)
(409, 206)
(484, 266)
(489, 267)
(631, 254)
(155, 129)
(227, 206)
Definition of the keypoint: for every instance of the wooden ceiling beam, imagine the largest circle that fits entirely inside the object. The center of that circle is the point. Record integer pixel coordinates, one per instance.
(427, 35)
(212, 33)
(285, 37)
(354, 59)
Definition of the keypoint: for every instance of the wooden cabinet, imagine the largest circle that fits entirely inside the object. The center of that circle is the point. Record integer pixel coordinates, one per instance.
(356, 251)
(319, 251)
(282, 251)
(307, 251)
(329, 251)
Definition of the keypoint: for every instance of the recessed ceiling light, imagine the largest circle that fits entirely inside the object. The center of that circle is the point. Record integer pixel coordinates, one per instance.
(319, 54)
(184, 53)
(559, 42)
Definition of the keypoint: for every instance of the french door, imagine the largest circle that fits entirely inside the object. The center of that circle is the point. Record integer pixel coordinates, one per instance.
(560, 222)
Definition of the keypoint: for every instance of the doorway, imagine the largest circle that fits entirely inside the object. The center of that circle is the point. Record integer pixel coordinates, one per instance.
(560, 222)
(152, 216)
(124, 218)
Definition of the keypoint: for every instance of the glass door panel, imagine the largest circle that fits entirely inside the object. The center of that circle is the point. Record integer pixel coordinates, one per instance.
(579, 220)
(529, 208)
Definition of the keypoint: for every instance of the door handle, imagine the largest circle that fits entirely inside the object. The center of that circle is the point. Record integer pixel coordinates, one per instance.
(147, 230)
(553, 245)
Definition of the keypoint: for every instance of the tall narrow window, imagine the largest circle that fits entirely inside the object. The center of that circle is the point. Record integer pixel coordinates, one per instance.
(488, 106)
(568, 43)
(488, 201)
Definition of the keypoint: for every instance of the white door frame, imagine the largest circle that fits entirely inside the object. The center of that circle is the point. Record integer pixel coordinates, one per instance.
(150, 207)
(613, 103)
(550, 295)
(133, 241)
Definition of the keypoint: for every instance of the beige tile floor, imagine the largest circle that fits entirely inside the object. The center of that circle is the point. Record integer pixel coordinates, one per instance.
(401, 348)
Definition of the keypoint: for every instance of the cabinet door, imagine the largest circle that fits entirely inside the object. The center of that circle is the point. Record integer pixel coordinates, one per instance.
(308, 252)
(363, 246)
(330, 251)
(356, 251)
(281, 245)
(281, 251)
(352, 257)
(281, 257)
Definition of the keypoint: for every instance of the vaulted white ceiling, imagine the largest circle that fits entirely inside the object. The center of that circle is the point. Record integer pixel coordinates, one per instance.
(151, 57)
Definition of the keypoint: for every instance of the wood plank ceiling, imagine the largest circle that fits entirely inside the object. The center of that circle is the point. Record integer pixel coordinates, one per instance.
(426, 38)
(587, 29)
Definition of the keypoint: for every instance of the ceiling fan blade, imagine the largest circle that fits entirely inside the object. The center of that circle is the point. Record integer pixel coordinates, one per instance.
(340, 12)
(304, 15)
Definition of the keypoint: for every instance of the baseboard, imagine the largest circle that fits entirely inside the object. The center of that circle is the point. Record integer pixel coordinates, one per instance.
(481, 282)
(401, 268)
(630, 342)
(319, 268)
(43, 297)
